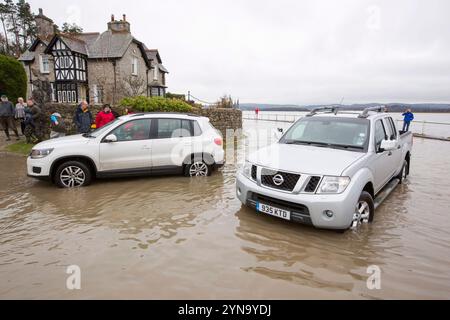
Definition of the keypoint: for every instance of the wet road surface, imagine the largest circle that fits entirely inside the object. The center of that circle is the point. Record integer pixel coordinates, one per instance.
(172, 237)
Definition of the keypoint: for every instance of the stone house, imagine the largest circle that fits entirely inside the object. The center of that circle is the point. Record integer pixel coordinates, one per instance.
(97, 67)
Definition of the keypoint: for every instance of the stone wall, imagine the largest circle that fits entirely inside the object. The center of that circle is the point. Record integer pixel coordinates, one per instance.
(222, 119)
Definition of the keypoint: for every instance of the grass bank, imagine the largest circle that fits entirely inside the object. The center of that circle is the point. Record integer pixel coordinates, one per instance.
(22, 148)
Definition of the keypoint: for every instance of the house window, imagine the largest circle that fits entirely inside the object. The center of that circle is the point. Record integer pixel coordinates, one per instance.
(155, 92)
(134, 67)
(45, 64)
(98, 94)
(155, 72)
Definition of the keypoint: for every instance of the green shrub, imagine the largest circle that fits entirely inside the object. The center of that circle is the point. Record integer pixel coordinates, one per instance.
(13, 80)
(156, 104)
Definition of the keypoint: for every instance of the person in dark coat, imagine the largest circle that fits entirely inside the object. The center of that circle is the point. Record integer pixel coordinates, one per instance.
(83, 118)
(7, 113)
(409, 117)
(29, 130)
(37, 117)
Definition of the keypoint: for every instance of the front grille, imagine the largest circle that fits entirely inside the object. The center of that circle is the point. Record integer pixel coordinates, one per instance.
(312, 184)
(254, 172)
(289, 180)
(296, 209)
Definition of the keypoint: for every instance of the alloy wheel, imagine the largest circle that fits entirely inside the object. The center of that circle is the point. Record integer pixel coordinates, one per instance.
(72, 177)
(361, 215)
(198, 169)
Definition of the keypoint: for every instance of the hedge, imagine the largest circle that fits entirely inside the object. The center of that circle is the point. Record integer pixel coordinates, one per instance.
(13, 79)
(156, 104)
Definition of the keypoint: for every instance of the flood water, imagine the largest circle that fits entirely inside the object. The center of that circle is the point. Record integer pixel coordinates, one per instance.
(172, 237)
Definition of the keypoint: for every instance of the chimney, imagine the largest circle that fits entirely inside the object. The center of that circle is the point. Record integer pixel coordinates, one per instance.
(44, 25)
(119, 26)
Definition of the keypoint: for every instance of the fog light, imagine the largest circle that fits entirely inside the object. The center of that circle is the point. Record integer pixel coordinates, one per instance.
(329, 213)
(239, 191)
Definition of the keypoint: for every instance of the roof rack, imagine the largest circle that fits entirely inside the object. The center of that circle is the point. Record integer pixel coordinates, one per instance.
(332, 109)
(172, 113)
(365, 113)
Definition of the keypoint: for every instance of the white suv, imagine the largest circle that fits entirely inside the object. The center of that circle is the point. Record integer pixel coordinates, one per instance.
(133, 145)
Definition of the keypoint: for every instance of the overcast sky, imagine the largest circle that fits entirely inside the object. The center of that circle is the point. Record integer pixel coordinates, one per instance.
(290, 52)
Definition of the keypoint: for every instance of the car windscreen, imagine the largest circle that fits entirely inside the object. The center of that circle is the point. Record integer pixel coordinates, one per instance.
(345, 133)
(98, 132)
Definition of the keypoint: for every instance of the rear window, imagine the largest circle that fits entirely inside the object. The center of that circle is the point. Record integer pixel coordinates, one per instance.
(175, 128)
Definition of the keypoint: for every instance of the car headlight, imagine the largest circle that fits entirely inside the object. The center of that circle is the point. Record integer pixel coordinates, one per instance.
(40, 153)
(334, 184)
(247, 170)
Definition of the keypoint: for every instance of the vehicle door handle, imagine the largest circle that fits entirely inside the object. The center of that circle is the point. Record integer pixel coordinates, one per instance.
(146, 148)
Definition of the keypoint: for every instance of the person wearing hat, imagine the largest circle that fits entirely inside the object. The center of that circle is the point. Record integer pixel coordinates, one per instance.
(7, 113)
(58, 129)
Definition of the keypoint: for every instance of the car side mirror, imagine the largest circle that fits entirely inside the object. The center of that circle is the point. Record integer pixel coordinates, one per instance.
(111, 138)
(279, 133)
(388, 145)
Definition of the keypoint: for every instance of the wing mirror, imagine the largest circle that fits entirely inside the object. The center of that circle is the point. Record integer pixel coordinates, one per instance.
(111, 138)
(279, 133)
(388, 145)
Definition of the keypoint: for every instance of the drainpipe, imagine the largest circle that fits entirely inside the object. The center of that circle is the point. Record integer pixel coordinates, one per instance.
(115, 83)
(31, 80)
(146, 88)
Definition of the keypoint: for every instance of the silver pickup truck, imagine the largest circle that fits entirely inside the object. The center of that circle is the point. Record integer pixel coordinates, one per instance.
(330, 170)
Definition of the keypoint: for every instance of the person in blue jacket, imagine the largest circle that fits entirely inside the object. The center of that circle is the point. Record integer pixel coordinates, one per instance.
(409, 117)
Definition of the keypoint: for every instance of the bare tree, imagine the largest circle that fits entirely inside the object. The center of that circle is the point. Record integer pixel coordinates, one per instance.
(134, 86)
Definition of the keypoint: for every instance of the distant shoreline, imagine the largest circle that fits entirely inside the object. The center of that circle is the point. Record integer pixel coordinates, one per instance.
(290, 110)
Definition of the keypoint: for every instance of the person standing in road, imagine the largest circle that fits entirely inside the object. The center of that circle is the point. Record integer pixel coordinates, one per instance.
(104, 117)
(7, 117)
(20, 114)
(409, 117)
(83, 118)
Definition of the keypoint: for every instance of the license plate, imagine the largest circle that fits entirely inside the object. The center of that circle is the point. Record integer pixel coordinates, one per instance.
(276, 212)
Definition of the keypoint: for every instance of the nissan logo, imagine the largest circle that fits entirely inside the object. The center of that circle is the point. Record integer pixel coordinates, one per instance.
(278, 180)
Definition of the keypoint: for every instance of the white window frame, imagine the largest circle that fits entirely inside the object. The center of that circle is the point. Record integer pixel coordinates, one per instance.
(155, 72)
(53, 92)
(134, 66)
(95, 91)
(45, 68)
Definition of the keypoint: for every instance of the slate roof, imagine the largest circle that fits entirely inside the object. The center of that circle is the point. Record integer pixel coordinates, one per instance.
(153, 54)
(28, 56)
(110, 45)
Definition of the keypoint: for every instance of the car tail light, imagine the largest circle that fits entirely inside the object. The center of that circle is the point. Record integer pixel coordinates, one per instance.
(218, 141)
